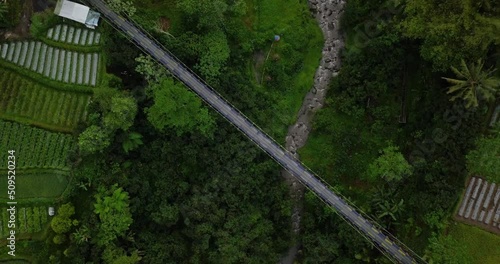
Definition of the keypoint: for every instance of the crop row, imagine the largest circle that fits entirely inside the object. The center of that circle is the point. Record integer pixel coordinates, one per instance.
(28, 220)
(72, 35)
(54, 63)
(34, 147)
(22, 98)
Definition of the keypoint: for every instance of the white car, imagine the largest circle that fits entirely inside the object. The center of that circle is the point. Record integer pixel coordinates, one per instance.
(51, 211)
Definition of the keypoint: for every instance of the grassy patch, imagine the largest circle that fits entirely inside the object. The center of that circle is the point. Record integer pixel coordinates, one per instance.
(300, 45)
(481, 245)
(345, 153)
(37, 183)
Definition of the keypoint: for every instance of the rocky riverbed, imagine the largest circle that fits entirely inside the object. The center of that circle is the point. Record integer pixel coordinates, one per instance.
(327, 13)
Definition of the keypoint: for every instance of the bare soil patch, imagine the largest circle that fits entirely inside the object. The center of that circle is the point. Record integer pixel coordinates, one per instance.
(165, 23)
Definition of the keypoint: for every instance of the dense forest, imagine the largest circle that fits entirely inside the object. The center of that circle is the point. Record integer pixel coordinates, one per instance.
(157, 176)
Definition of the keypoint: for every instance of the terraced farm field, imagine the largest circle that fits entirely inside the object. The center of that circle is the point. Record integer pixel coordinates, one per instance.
(75, 36)
(54, 63)
(28, 220)
(39, 184)
(35, 148)
(28, 101)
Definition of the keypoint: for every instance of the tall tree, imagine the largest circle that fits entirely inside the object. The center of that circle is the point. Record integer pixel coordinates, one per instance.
(121, 113)
(122, 6)
(390, 165)
(62, 222)
(177, 108)
(450, 30)
(93, 139)
(473, 83)
(112, 206)
(485, 159)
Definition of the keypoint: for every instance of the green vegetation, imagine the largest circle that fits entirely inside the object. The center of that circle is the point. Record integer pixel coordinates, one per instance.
(440, 24)
(292, 63)
(158, 177)
(484, 159)
(476, 84)
(390, 166)
(10, 13)
(447, 249)
(35, 148)
(3, 12)
(29, 220)
(481, 246)
(112, 112)
(37, 184)
(178, 109)
(27, 101)
(112, 207)
(53, 63)
(389, 89)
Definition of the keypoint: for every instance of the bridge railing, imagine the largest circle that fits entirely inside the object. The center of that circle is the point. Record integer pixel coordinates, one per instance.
(415, 256)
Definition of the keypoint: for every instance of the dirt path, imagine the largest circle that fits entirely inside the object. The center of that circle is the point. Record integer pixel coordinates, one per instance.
(327, 13)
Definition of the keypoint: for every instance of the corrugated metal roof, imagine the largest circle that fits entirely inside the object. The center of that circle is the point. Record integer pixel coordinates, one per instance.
(72, 11)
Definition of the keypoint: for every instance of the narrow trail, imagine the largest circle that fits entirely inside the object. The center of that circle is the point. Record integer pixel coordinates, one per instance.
(327, 13)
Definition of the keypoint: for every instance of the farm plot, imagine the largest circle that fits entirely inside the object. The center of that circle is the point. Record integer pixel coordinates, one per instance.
(75, 36)
(35, 148)
(54, 63)
(481, 205)
(22, 99)
(28, 220)
(36, 184)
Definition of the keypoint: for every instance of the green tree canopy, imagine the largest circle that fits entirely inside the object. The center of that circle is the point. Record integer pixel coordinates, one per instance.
(485, 159)
(150, 69)
(390, 165)
(121, 114)
(93, 139)
(115, 255)
(177, 108)
(3, 12)
(112, 206)
(451, 30)
(214, 55)
(62, 222)
(122, 6)
(474, 83)
(212, 13)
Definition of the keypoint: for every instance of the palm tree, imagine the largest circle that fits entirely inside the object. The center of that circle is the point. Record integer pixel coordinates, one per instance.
(473, 83)
(82, 235)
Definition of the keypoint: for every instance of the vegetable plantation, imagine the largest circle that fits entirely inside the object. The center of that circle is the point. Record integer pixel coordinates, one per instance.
(25, 100)
(35, 148)
(54, 63)
(28, 220)
(76, 36)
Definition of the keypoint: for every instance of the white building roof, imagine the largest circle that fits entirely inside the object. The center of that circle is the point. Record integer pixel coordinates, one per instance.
(72, 11)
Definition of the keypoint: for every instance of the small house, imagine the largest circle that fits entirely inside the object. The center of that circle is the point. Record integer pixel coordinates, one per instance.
(77, 12)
